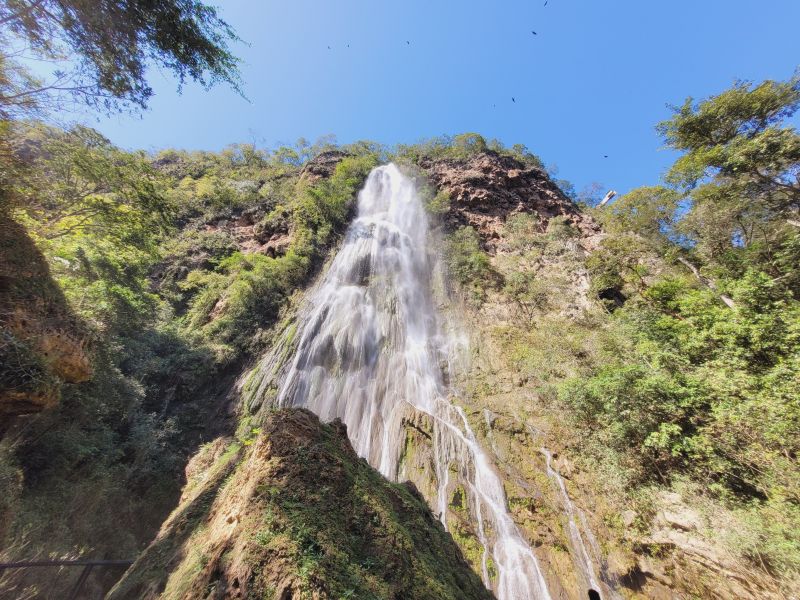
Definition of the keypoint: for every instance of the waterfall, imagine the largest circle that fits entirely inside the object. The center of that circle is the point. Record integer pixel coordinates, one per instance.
(581, 555)
(369, 349)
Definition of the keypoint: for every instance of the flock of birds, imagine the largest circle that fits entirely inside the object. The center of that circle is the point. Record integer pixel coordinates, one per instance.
(408, 43)
(513, 99)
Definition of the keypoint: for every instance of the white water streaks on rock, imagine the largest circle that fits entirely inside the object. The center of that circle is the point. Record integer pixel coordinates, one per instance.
(368, 351)
(580, 553)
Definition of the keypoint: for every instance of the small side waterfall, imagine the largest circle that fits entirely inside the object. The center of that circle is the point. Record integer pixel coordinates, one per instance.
(584, 564)
(368, 351)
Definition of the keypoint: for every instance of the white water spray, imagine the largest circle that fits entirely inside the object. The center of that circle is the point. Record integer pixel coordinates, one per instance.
(369, 351)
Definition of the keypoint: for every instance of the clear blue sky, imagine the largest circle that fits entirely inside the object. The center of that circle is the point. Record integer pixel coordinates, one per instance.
(593, 82)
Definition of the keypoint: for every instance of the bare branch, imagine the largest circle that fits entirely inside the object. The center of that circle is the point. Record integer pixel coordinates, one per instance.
(707, 282)
(608, 197)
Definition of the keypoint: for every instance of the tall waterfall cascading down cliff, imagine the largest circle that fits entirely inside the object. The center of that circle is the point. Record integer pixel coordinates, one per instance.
(369, 350)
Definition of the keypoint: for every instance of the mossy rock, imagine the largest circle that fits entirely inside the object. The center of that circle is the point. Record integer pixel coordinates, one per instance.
(302, 516)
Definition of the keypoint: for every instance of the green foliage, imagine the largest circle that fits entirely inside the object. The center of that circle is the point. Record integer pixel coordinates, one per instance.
(522, 232)
(467, 263)
(459, 146)
(143, 253)
(464, 146)
(242, 296)
(687, 385)
(321, 210)
(702, 389)
(739, 171)
(559, 229)
(467, 144)
(111, 45)
(768, 535)
(24, 370)
(619, 267)
(438, 204)
(528, 293)
(649, 211)
(95, 474)
(525, 156)
(736, 133)
(76, 181)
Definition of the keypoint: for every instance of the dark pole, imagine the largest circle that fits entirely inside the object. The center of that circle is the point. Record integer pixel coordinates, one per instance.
(81, 580)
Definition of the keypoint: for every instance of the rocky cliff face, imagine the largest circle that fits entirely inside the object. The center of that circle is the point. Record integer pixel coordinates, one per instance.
(256, 228)
(488, 188)
(519, 347)
(323, 165)
(294, 513)
(42, 345)
(288, 511)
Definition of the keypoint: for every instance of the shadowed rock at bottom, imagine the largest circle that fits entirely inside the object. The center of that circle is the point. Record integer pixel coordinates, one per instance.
(294, 513)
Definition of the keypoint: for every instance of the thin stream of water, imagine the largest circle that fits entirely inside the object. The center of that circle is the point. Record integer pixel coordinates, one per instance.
(581, 555)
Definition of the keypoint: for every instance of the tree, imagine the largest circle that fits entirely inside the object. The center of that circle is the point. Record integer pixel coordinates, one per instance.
(103, 47)
(738, 143)
(528, 293)
(77, 181)
(733, 201)
(649, 211)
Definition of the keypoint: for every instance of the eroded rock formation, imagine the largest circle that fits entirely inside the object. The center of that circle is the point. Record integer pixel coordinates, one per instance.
(323, 165)
(42, 345)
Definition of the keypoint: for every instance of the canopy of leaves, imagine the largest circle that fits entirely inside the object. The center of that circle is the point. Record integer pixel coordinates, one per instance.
(734, 195)
(109, 45)
(77, 181)
(464, 145)
(742, 135)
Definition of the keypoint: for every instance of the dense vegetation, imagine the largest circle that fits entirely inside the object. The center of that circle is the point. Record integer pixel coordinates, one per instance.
(684, 369)
(85, 333)
(175, 265)
(704, 374)
(167, 299)
(166, 273)
(101, 51)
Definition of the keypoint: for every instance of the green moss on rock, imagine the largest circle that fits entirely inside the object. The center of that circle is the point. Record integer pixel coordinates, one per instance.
(303, 517)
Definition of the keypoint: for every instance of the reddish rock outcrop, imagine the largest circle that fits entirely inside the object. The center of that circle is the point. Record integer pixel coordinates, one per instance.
(489, 187)
(323, 165)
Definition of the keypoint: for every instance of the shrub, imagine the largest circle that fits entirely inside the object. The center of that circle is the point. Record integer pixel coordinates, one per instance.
(467, 263)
